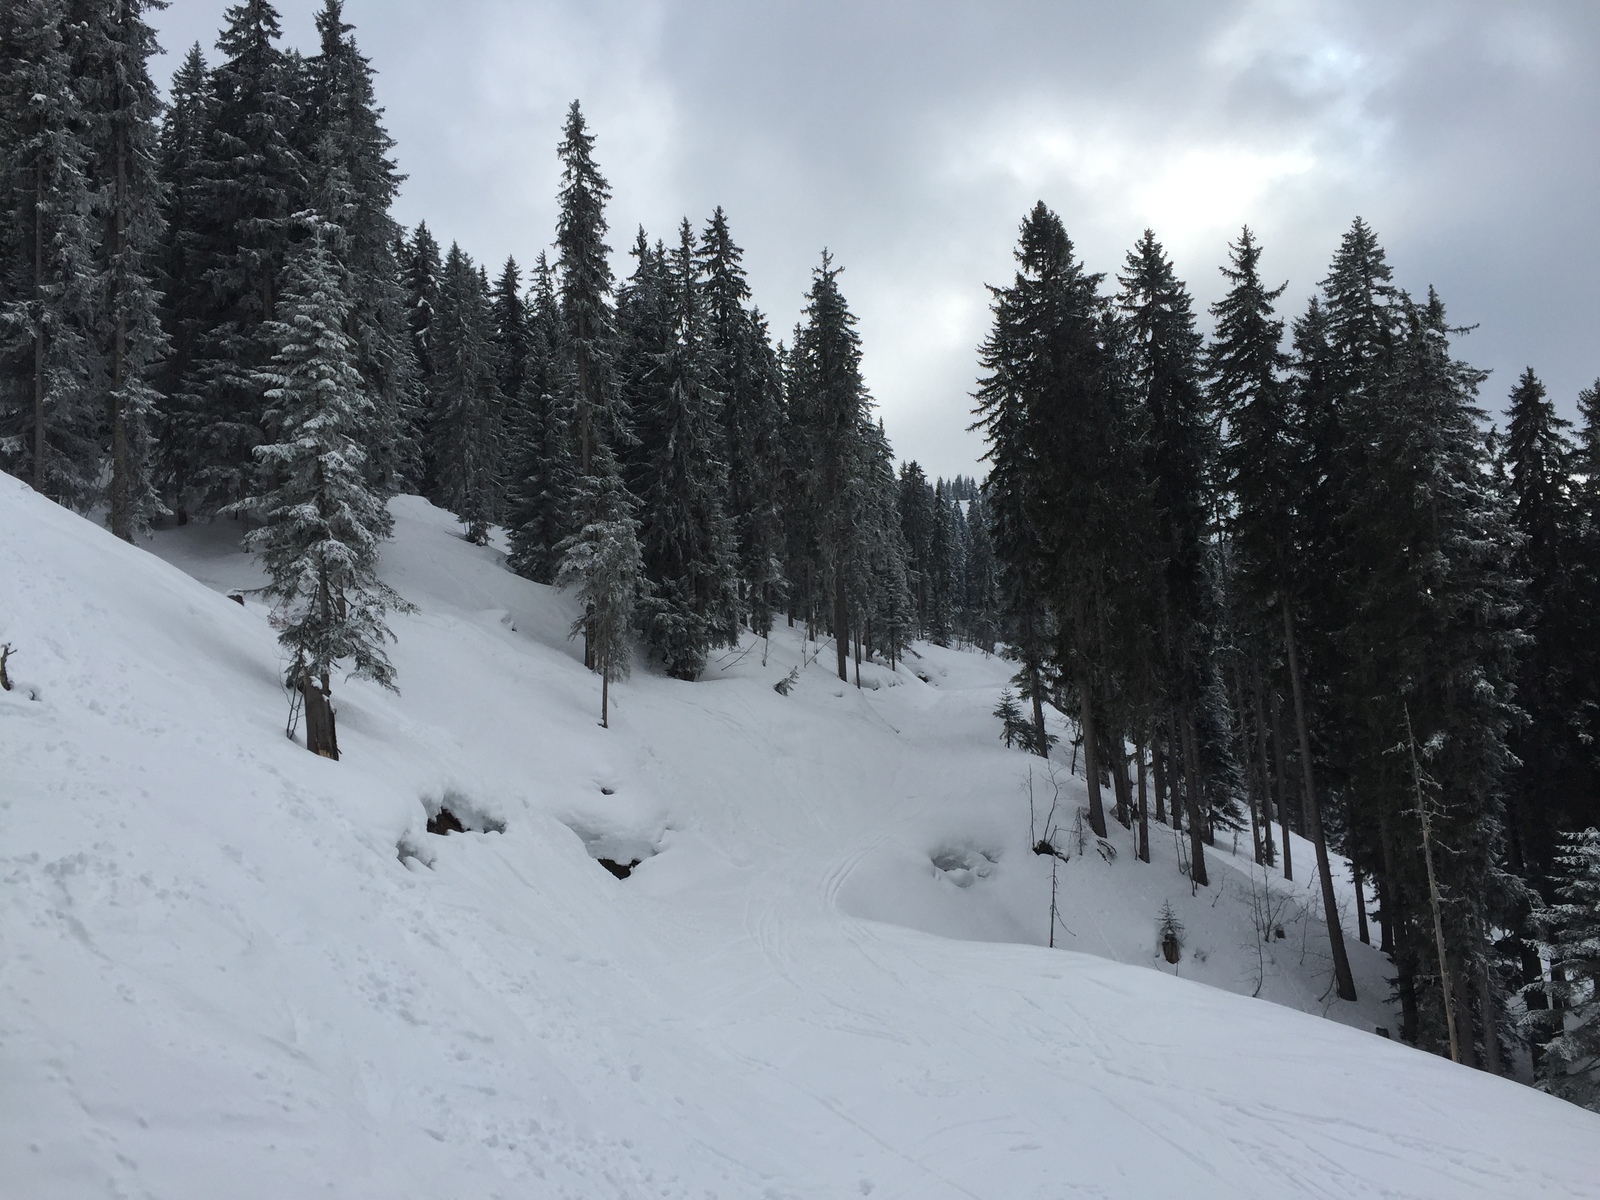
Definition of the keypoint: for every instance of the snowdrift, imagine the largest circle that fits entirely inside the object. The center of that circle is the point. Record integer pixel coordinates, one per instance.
(231, 969)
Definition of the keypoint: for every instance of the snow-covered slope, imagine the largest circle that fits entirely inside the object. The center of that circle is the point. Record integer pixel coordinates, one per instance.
(231, 969)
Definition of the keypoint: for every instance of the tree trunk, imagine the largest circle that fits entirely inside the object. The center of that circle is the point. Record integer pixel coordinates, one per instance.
(1252, 785)
(321, 736)
(1175, 771)
(1197, 825)
(1117, 747)
(1266, 768)
(120, 513)
(1144, 806)
(38, 332)
(1361, 906)
(1091, 765)
(841, 623)
(1385, 914)
(605, 699)
(1282, 760)
(1488, 1010)
(1158, 766)
(1344, 980)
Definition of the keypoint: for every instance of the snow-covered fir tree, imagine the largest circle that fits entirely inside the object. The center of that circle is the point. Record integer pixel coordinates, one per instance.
(601, 559)
(322, 524)
(541, 468)
(185, 292)
(687, 539)
(50, 360)
(464, 399)
(741, 366)
(252, 181)
(341, 130)
(1568, 1020)
(114, 43)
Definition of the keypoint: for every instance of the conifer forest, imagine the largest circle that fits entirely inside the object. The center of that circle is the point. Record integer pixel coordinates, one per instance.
(1286, 571)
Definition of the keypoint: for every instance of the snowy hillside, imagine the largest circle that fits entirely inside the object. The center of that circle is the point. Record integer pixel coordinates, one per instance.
(229, 968)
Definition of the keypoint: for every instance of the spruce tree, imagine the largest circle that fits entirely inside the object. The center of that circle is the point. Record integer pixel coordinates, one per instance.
(1012, 395)
(1246, 365)
(464, 400)
(1570, 1025)
(1179, 462)
(341, 130)
(541, 489)
(1432, 644)
(687, 539)
(50, 407)
(186, 295)
(741, 367)
(916, 524)
(833, 404)
(510, 329)
(321, 523)
(1552, 761)
(601, 558)
(252, 181)
(114, 43)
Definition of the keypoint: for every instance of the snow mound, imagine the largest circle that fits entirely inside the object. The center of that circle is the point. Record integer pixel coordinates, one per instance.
(222, 975)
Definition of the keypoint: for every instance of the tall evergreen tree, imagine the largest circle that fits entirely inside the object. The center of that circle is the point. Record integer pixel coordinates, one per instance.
(186, 295)
(50, 412)
(542, 469)
(252, 182)
(1050, 288)
(511, 334)
(601, 559)
(1571, 944)
(1246, 364)
(1180, 447)
(114, 45)
(321, 523)
(464, 399)
(741, 366)
(832, 402)
(1552, 762)
(688, 541)
(341, 131)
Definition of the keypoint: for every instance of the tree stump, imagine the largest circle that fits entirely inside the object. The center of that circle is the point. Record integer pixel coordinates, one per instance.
(321, 737)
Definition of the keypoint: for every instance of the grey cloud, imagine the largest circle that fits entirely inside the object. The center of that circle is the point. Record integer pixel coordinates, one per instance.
(910, 138)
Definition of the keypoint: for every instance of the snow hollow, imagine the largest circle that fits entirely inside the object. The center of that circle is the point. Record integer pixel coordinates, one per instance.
(229, 968)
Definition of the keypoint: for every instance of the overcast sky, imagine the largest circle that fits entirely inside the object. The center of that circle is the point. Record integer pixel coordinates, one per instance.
(910, 139)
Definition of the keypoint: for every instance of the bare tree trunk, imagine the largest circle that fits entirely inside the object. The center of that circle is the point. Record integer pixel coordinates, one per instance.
(120, 513)
(1191, 772)
(1282, 760)
(1118, 748)
(38, 332)
(1144, 806)
(605, 699)
(1266, 768)
(1344, 980)
(1175, 770)
(1386, 930)
(321, 736)
(1158, 766)
(1433, 898)
(1091, 765)
(1252, 786)
(841, 622)
(1361, 906)
(1488, 1010)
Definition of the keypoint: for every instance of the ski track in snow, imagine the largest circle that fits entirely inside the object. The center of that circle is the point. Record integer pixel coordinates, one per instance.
(230, 969)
